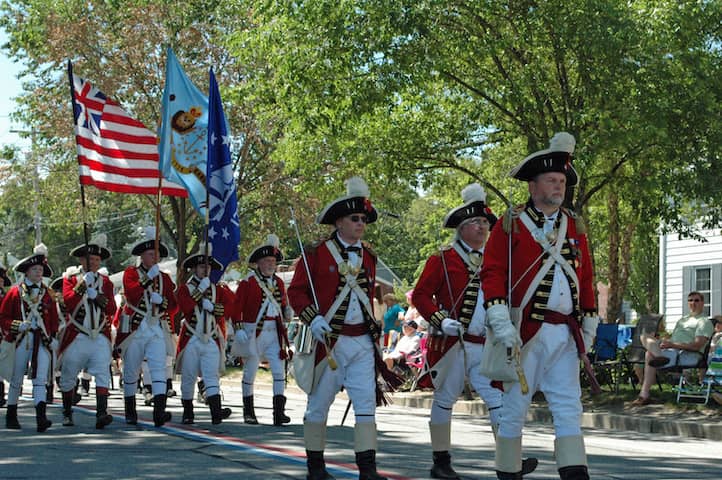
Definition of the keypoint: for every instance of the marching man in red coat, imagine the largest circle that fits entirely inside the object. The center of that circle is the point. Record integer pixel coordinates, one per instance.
(448, 294)
(29, 319)
(146, 335)
(552, 308)
(261, 330)
(5, 283)
(335, 303)
(202, 339)
(85, 343)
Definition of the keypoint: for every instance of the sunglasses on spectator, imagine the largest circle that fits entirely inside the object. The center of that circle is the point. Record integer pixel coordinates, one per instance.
(358, 218)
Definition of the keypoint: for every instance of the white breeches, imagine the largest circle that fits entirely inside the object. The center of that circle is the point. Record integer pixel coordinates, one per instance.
(200, 359)
(266, 347)
(356, 372)
(148, 344)
(86, 353)
(551, 366)
(23, 356)
(446, 395)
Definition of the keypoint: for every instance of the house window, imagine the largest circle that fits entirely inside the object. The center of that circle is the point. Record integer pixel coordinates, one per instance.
(707, 280)
(703, 284)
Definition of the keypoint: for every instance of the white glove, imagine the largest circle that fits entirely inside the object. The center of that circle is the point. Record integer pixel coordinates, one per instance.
(589, 331)
(89, 278)
(92, 293)
(156, 298)
(154, 271)
(54, 345)
(23, 327)
(319, 328)
(204, 284)
(207, 305)
(450, 327)
(497, 317)
(241, 336)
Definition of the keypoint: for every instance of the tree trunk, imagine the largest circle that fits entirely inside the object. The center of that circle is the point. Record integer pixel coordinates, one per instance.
(614, 301)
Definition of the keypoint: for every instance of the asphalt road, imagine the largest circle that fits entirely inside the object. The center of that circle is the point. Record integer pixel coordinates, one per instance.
(238, 451)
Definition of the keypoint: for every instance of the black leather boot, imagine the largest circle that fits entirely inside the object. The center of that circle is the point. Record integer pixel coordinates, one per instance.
(131, 415)
(574, 472)
(188, 415)
(41, 418)
(366, 462)
(2, 393)
(68, 408)
(160, 416)
(528, 465)
(218, 414)
(317, 466)
(102, 417)
(11, 418)
(169, 388)
(249, 413)
(442, 467)
(509, 476)
(279, 416)
(84, 387)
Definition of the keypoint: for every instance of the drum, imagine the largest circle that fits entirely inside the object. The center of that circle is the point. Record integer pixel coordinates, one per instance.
(303, 340)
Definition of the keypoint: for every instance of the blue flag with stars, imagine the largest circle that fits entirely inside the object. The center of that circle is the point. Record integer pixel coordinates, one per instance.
(224, 231)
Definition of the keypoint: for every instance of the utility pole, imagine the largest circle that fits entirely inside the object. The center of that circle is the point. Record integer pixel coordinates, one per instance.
(30, 157)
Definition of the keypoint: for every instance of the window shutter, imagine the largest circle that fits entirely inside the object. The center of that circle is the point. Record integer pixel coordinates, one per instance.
(715, 301)
(687, 286)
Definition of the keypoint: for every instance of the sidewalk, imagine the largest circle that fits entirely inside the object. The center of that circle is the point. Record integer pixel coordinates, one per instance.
(654, 418)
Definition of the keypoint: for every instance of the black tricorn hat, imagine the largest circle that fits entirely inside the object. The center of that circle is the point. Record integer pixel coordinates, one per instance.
(39, 257)
(97, 245)
(192, 261)
(556, 158)
(148, 243)
(474, 198)
(356, 200)
(270, 248)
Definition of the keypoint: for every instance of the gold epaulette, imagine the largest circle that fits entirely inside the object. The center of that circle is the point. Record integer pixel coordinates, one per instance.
(510, 215)
(367, 247)
(442, 248)
(578, 222)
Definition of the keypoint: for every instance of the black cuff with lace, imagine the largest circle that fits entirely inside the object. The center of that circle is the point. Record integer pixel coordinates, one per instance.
(308, 314)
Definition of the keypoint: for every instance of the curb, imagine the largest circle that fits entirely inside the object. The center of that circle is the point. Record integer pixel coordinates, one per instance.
(600, 419)
(605, 420)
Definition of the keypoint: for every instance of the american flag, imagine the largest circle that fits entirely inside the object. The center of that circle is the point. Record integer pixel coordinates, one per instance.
(115, 151)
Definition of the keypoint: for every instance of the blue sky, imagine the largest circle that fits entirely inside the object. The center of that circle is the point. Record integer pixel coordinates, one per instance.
(10, 86)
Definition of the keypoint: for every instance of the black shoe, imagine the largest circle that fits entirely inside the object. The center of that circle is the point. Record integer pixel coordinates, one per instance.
(102, 417)
(442, 467)
(279, 416)
(11, 418)
(366, 462)
(40, 417)
(574, 472)
(169, 388)
(188, 414)
(317, 466)
(160, 416)
(68, 408)
(131, 415)
(528, 465)
(249, 413)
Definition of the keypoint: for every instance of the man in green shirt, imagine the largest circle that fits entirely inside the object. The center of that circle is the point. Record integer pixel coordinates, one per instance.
(684, 348)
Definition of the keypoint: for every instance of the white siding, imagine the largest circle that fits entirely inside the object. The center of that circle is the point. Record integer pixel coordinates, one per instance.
(675, 254)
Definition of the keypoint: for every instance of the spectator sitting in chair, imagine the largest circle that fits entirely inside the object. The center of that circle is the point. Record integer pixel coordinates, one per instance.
(684, 348)
(409, 344)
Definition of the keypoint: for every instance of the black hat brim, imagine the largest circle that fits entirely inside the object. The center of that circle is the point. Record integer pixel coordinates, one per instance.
(469, 210)
(93, 249)
(347, 206)
(198, 259)
(149, 245)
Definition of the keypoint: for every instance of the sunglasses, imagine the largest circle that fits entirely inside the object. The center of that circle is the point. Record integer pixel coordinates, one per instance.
(358, 218)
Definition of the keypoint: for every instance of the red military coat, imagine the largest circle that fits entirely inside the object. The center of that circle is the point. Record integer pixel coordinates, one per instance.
(224, 308)
(73, 298)
(11, 314)
(134, 289)
(326, 280)
(526, 255)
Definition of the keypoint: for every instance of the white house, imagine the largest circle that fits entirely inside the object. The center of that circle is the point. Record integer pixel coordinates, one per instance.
(686, 265)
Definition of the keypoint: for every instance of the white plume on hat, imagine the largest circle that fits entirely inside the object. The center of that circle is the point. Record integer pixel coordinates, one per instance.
(149, 233)
(562, 142)
(473, 193)
(101, 240)
(40, 249)
(273, 240)
(202, 248)
(357, 187)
